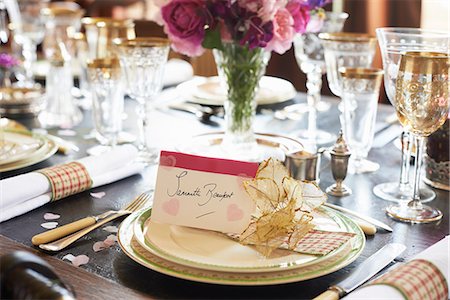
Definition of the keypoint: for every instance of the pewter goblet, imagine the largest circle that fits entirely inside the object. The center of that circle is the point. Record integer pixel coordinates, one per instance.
(392, 42)
(143, 61)
(309, 55)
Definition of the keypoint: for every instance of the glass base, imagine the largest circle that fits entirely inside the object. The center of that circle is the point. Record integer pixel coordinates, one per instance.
(362, 166)
(319, 137)
(405, 213)
(98, 150)
(390, 191)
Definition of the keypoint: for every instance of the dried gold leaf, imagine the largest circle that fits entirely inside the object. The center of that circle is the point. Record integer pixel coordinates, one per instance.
(264, 192)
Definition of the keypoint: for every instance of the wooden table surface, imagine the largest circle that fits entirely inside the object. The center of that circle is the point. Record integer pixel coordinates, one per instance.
(110, 274)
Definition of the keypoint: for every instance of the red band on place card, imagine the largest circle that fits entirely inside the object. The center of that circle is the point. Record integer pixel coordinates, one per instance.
(417, 279)
(206, 164)
(67, 179)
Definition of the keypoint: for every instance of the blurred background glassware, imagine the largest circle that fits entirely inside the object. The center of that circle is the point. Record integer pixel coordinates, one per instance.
(437, 158)
(29, 31)
(60, 110)
(393, 41)
(100, 33)
(360, 93)
(310, 58)
(16, 102)
(422, 102)
(108, 99)
(143, 61)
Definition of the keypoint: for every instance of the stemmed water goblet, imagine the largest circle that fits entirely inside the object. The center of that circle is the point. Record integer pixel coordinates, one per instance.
(309, 55)
(347, 50)
(393, 41)
(422, 105)
(28, 33)
(143, 61)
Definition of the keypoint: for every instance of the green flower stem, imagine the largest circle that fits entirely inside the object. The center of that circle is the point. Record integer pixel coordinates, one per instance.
(242, 69)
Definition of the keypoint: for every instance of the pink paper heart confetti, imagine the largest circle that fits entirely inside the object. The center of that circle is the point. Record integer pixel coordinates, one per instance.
(80, 260)
(49, 225)
(68, 257)
(111, 229)
(99, 246)
(51, 216)
(98, 195)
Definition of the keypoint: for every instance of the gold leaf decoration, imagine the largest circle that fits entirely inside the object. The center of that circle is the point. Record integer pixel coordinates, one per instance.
(283, 208)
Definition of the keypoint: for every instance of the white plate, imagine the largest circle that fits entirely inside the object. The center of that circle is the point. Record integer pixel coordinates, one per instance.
(209, 250)
(17, 145)
(136, 252)
(208, 91)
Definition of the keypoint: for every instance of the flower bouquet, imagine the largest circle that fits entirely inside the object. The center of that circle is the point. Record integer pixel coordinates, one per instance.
(7, 62)
(242, 34)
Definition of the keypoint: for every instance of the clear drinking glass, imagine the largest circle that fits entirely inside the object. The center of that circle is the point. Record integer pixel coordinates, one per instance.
(345, 49)
(360, 92)
(309, 55)
(28, 33)
(108, 99)
(392, 42)
(422, 104)
(143, 61)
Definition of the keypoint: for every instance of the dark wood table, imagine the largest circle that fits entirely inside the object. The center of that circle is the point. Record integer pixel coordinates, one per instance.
(111, 274)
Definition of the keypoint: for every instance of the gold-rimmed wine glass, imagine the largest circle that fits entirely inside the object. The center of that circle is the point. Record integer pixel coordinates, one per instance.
(143, 61)
(422, 105)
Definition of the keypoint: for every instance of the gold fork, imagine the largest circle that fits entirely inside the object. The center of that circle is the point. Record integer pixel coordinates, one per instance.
(81, 227)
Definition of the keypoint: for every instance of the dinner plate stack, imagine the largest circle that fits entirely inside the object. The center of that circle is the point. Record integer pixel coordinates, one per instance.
(16, 101)
(212, 257)
(20, 149)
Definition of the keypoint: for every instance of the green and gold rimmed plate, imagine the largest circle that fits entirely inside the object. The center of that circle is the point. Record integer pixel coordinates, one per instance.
(38, 148)
(204, 249)
(143, 256)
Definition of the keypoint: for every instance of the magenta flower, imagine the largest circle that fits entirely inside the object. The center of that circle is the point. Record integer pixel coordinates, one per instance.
(7, 61)
(300, 14)
(186, 21)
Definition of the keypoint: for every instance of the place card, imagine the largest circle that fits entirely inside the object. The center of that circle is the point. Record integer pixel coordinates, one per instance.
(203, 192)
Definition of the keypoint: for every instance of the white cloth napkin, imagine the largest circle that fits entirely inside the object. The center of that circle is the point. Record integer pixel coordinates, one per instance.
(176, 71)
(438, 254)
(22, 193)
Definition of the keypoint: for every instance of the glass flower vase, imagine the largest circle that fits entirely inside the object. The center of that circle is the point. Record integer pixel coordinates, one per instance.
(240, 70)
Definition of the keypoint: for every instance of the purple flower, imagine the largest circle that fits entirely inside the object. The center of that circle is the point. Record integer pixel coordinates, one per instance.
(7, 61)
(313, 4)
(257, 34)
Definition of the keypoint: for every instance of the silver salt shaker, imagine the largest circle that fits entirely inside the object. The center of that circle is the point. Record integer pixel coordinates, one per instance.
(340, 155)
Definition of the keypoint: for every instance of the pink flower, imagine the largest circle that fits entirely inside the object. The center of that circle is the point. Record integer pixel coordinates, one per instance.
(185, 25)
(283, 24)
(300, 13)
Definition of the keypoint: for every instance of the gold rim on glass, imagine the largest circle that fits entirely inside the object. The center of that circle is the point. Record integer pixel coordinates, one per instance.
(349, 37)
(107, 22)
(364, 73)
(424, 62)
(104, 63)
(142, 42)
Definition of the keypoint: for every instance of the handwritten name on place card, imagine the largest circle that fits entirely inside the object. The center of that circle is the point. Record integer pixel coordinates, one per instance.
(203, 192)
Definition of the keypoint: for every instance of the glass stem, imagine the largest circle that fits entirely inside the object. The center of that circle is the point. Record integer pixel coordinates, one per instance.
(415, 203)
(406, 140)
(142, 124)
(313, 85)
(29, 55)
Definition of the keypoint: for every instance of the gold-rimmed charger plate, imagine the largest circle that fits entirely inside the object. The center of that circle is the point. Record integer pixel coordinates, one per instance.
(208, 90)
(136, 252)
(47, 149)
(209, 250)
(267, 145)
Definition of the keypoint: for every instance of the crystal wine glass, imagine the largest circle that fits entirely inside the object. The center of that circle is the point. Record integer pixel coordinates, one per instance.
(422, 104)
(309, 55)
(108, 99)
(28, 33)
(143, 61)
(392, 42)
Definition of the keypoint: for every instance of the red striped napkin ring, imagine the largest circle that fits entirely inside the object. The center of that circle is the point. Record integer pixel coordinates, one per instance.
(418, 279)
(67, 179)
